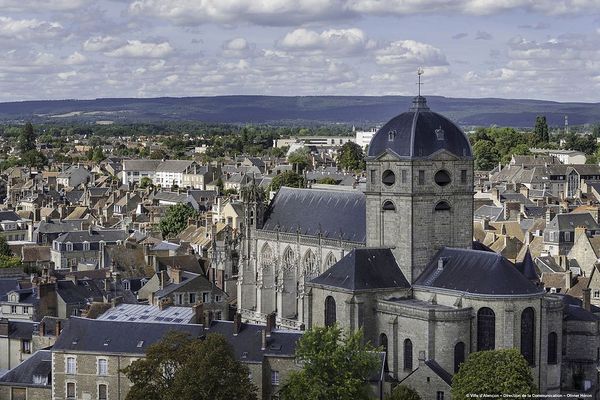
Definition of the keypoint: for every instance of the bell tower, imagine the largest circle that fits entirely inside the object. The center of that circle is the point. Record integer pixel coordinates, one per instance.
(419, 188)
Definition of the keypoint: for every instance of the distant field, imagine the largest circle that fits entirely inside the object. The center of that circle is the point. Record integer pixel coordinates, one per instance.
(360, 110)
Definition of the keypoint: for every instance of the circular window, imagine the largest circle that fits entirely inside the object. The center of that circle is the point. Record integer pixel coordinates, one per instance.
(442, 178)
(388, 178)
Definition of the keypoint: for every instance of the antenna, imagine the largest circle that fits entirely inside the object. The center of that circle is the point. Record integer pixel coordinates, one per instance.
(419, 73)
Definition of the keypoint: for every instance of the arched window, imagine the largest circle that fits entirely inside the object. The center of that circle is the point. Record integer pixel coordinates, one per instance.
(552, 348)
(486, 329)
(288, 258)
(408, 354)
(310, 264)
(330, 260)
(528, 335)
(383, 342)
(389, 206)
(329, 311)
(266, 257)
(459, 355)
(442, 206)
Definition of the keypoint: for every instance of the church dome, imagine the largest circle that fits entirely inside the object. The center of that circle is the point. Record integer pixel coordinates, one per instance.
(419, 133)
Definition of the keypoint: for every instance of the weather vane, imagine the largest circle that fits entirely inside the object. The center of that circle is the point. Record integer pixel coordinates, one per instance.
(419, 73)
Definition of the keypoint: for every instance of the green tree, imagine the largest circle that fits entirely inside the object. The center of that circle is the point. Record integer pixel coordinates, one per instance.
(336, 366)
(176, 219)
(4, 248)
(182, 367)
(299, 159)
(287, 178)
(495, 372)
(486, 155)
(327, 181)
(145, 182)
(403, 392)
(33, 158)
(351, 157)
(540, 130)
(596, 131)
(97, 154)
(9, 262)
(27, 138)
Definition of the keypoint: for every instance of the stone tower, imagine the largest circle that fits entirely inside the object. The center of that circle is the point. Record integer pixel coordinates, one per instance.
(419, 187)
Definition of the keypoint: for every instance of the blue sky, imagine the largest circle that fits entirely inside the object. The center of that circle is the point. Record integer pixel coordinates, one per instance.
(542, 49)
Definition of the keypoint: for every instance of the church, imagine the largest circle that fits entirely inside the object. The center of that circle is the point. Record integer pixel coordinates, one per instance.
(399, 262)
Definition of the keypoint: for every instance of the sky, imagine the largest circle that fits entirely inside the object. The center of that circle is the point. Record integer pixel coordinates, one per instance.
(85, 49)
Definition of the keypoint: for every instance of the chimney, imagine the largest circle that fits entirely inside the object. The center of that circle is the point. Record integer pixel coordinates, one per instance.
(175, 274)
(271, 323)
(421, 357)
(58, 327)
(263, 342)
(237, 324)
(440, 263)
(524, 191)
(198, 313)
(568, 279)
(42, 329)
(549, 215)
(586, 299)
(579, 230)
(164, 303)
(4, 327)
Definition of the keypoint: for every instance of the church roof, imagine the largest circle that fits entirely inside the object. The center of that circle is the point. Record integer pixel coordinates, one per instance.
(477, 272)
(364, 269)
(419, 133)
(527, 267)
(333, 213)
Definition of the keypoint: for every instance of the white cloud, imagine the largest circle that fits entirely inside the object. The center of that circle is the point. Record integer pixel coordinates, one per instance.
(138, 49)
(410, 53)
(76, 59)
(28, 28)
(237, 44)
(100, 43)
(37, 5)
(346, 41)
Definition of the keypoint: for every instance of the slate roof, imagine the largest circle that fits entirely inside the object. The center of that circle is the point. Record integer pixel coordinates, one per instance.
(364, 269)
(491, 212)
(99, 336)
(79, 292)
(140, 165)
(58, 226)
(149, 313)
(8, 284)
(527, 267)
(475, 272)
(9, 216)
(21, 329)
(333, 213)
(568, 222)
(93, 236)
(439, 371)
(173, 165)
(39, 364)
(415, 134)
(574, 311)
(248, 342)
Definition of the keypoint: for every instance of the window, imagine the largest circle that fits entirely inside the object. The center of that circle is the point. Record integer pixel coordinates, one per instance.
(70, 366)
(421, 177)
(567, 236)
(459, 355)
(404, 176)
(442, 206)
(205, 297)
(217, 298)
(180, 298)
(26, 346)
(70, 390)
(596, 294)
(126, 285)
(552, 348)
(373, 175)
(86, 246)
(310, 264)
(102, 392)
(102, 366)
(69, 246)
(408, 355)
(383, 342)
(25, 310)
(388, 178)
(330, 311)
(442, 178)
(463, 176)
(13, 309)
(389, 206)
(528, 335)
(330, 260)
(192, 298)
(439, 395)
(275, 378)
(486, 329)
(391, 135)
(288, 259)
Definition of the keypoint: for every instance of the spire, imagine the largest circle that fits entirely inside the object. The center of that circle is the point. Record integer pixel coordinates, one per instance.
(419, 102)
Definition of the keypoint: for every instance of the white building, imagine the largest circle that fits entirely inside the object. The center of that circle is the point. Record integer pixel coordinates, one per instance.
(363, 138)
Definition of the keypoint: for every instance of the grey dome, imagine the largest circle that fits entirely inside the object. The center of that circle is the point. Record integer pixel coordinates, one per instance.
(419, 133)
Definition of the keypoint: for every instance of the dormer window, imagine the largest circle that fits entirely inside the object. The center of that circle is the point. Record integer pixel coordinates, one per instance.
(391, 135)
(440, 134)
(86, 246)
(69, 246)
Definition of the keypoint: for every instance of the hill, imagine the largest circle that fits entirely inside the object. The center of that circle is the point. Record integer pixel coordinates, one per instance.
(361, 110)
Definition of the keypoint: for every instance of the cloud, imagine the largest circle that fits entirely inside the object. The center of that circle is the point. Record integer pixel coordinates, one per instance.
(482, 35)
(409, 54)
(28, 28)
(100, 43)
(537, 27)
(461, 35)
(138, 49)
(37, 5)
(346, 41)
